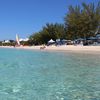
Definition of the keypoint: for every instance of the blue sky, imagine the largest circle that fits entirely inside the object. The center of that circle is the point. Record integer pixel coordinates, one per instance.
(25, 17)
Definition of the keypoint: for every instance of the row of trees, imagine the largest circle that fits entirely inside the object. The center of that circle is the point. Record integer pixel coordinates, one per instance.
(80, 22)
(50, 31)
(13, 43)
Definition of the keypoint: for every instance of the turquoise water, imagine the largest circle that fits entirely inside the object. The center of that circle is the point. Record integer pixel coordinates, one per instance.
(41, 75)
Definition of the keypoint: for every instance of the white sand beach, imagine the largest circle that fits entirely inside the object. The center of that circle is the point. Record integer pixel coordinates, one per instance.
(74, 48)
(71, 48)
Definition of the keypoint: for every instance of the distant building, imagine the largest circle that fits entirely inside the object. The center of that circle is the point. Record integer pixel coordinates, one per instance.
(6, 41)
(12, 41)
(24, 40)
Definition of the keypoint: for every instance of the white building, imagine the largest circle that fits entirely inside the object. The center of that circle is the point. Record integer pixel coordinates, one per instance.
(6, 41)
(25, 40)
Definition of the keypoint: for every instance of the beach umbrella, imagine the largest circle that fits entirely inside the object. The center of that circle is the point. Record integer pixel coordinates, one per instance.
(92, 38)
(51, 41)
(80, 39)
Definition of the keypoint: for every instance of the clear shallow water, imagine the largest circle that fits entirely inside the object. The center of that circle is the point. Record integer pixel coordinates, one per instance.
(39, 75)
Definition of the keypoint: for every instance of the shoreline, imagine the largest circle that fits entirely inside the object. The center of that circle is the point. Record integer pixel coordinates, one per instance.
(64, 48)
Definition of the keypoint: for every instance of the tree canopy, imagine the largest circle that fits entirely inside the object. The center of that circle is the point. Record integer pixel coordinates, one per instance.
(49, 31)
(82, 22)
(79, 22)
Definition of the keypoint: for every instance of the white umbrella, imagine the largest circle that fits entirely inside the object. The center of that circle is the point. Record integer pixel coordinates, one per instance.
(51, 41)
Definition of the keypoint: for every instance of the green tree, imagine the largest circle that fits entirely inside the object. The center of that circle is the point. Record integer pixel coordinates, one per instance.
(49, 31)
(82, 22)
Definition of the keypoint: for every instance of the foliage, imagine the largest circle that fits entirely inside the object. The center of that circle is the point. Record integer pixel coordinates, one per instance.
(50, 31)
(82, 22)
(7, 44)
(26, 43)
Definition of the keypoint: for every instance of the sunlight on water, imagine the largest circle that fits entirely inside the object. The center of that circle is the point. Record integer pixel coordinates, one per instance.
(41, 75)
